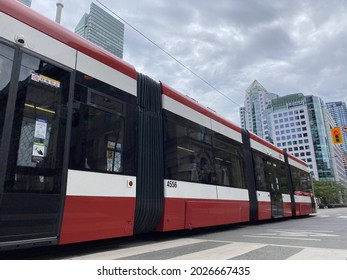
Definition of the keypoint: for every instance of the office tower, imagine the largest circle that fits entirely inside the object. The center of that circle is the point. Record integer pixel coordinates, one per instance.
(26, 2)
(338, 111)
(102, 29)
(298, 124)
(301, 125)
(253, 116)
(289, 120)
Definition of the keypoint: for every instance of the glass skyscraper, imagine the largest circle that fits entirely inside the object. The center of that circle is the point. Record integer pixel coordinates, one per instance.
(102, 29)
(301, 125)
(298, 124)
(253, 116)
(338, 111)
(26, 2)
(320, 129)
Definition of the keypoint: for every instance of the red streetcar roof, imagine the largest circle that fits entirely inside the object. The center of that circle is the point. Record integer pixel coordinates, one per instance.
(60, 33)
(174, 94)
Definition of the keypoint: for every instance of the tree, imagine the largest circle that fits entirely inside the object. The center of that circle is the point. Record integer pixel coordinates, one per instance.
(330, 193)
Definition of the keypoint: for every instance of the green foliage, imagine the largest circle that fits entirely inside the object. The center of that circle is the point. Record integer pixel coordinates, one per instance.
(330, 192)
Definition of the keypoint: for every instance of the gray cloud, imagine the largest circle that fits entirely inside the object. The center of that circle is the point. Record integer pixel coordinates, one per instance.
(288, 46)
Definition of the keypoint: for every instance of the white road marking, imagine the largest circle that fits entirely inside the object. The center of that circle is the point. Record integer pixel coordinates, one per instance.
(126, 252)
(303, 233)
(223, 252)
(293, 234)
(227, 251)
(282, 237)
(320, 254)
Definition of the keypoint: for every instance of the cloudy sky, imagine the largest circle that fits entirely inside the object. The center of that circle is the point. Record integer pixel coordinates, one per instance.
(289, 46)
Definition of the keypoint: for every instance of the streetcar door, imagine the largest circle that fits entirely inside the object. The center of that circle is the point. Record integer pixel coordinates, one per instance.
(276, 199)
(32, 177)
(273, 186)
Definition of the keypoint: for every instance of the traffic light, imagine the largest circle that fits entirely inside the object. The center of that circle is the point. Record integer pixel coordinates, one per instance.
(336, 135)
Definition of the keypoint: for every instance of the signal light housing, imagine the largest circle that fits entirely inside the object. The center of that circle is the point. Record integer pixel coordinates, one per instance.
(336, 135)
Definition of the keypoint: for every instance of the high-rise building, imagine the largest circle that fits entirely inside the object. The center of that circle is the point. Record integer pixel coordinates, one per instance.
(301, 125)
(338, 156)
(289, 121)
(26, 2)
(102, 29)
(253, 116)
(338, 111)
(320, 122)
(298, 124)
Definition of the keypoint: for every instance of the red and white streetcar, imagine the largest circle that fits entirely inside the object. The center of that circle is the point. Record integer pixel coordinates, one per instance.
(91, 149)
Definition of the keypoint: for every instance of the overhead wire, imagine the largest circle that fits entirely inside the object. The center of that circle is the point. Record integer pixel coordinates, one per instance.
(167, 53)
(170, 55)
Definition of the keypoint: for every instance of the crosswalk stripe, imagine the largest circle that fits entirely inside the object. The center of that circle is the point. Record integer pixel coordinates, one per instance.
(166, 254)
(223, 252)
(283, 237)
(270, 252)
(206, 249)
(126, 252)
(320, 254)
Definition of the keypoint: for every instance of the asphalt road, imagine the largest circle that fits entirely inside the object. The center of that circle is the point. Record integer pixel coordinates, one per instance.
(319, 236)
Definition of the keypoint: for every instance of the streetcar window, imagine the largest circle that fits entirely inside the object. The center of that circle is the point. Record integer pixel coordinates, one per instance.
(195, 153)
(98, 128)
(37, 140)
(229, 164)
(188, 151)
(259, 165)
(296, 178)
(301, 179)
(6, 61)
(270, 172)
(283, 178)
